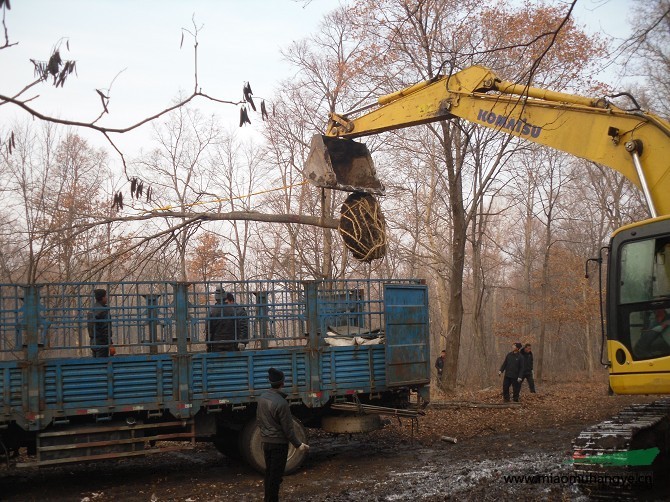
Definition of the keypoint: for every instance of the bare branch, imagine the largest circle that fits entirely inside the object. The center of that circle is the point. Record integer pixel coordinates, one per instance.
(316, 221)
(6, 7)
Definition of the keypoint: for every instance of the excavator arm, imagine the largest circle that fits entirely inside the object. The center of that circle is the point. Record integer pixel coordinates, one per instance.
(634, 143)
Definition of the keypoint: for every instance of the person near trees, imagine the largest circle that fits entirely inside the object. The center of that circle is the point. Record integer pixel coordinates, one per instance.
(100, 326)
(275, 423)
(513, 366)
(528, 373)
(439, 363)
(228, 327)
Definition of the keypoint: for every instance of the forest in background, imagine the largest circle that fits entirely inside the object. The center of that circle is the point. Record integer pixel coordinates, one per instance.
(500, 229)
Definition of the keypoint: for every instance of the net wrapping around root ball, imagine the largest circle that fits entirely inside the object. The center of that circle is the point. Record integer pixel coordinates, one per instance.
(362, 227)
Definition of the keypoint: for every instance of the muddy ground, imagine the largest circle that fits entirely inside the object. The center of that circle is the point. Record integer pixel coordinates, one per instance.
(395, 463)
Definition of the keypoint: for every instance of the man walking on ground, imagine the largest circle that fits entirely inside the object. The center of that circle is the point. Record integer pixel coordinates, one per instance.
(439, 364)
(527, 354)
(276, 426)
(514, 369)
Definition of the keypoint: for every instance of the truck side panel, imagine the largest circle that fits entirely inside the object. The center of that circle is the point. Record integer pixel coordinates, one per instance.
(358, 367)
(407, 347)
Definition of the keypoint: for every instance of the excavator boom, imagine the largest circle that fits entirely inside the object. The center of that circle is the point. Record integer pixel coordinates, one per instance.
(634, 143)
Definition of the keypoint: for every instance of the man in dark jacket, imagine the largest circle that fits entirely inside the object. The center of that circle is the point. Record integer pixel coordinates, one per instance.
(527, 354)
(100, 326)
(276, 426)
(439, 363)
(513, 368)
(228, 327)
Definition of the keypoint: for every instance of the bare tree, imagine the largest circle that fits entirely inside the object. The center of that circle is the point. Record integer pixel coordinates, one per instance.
(415, 41)
(53, 182)
(207, 261)
(648, 49)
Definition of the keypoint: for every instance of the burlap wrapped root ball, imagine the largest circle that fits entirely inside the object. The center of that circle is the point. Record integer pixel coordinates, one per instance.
(362, 227)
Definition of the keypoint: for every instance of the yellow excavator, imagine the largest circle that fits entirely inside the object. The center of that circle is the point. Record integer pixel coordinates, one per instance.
(634, 143)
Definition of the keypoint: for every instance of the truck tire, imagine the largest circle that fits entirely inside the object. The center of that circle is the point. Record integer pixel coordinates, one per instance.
(227, 441)
(252, 449)
(351, 424)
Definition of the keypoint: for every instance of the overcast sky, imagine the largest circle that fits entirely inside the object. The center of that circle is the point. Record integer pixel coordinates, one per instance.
(136, 43)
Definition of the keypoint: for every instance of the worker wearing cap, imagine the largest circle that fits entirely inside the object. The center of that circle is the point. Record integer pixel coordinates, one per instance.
(100, 326)
(227, 327)
(513, 366)
(276, 426)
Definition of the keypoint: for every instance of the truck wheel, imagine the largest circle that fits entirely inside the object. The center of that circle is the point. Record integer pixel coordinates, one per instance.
(227, 441)
(252, 449)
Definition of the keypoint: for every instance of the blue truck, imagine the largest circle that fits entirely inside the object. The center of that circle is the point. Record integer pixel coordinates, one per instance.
(352, 351)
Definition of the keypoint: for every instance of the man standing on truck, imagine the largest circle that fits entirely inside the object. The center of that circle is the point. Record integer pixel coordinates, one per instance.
(227, 325)
(276, 426)
(513, 366)
(100, 326)
(237, 327)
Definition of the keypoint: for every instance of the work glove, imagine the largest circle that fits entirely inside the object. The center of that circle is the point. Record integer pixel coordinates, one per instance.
(519, 380)
(499, 373)
(303, 447)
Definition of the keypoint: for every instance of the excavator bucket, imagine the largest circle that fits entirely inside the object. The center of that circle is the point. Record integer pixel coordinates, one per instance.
(342, 164)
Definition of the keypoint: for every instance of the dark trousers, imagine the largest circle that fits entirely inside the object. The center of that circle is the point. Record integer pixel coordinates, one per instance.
(218, 346)
(100, 351)
(275, 463)
(531, 382)
(516, 387)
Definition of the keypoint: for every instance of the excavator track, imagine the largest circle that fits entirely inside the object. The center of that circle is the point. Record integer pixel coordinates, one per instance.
(618, 456)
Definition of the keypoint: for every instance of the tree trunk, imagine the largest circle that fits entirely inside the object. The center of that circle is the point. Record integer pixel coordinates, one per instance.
(543, 308)
(327, 263)
(480, 347)
(457, 251)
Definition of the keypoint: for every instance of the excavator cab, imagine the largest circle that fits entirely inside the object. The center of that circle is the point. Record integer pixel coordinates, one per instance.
(341, 164)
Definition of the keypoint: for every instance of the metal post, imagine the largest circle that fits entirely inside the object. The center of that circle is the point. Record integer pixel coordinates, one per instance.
(31, 323)
(262, 317)
(182, 359)
(313, 366)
